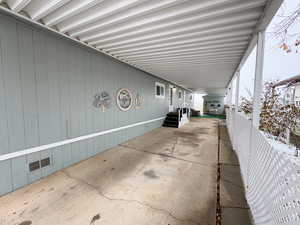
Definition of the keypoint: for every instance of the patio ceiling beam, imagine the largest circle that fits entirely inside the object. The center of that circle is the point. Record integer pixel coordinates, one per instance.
(238, 52)
(142, 26)
(234, 36)
(141, 10)
(181, 10)
(212, 47)
(98, 12)
(203, 33)
(148, 34)
(196, 52)
(17, 5)
(70, 9)
(38, 9)
(190, 62)
(188, 58)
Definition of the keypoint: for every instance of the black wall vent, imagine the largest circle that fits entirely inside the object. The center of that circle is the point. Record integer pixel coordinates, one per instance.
(45, 162)
(34, 166)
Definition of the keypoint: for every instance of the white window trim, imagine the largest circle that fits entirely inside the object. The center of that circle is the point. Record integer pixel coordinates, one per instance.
(160, 85)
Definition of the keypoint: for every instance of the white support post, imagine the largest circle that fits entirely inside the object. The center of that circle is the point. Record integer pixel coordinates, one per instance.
(236, 108)
(237, 91)
(258, 81)
(230, 95)
(258, 88)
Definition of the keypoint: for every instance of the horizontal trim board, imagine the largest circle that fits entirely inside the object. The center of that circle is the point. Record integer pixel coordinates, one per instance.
(72, 140)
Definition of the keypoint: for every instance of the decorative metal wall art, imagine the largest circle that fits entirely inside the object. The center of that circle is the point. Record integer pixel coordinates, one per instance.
(138, 101)
(124, 99)
(102, 100)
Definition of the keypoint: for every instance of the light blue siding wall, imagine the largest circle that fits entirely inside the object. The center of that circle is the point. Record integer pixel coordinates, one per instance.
(47, 86)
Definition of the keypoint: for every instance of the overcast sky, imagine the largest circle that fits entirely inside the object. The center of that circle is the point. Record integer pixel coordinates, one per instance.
(278, 64)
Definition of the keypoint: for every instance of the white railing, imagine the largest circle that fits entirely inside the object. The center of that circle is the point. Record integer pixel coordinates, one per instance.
(271, 177)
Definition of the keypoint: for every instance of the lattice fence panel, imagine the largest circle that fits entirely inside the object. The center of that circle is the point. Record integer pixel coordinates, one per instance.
(272, 178)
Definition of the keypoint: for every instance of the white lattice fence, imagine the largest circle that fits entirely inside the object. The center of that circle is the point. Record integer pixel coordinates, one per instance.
(229, 122)
(272, 178)
(242, 141)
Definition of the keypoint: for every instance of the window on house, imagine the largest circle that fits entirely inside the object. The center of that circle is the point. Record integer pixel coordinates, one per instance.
(159, 90)
(180, 94)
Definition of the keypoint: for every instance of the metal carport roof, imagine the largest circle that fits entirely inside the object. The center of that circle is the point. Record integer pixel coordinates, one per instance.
(195, 43)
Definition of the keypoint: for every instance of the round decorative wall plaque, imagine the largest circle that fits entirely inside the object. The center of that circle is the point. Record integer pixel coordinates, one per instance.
(124, 99)
(102, 100)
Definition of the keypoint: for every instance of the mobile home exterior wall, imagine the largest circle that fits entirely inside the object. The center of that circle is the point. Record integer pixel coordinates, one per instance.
(47, 87)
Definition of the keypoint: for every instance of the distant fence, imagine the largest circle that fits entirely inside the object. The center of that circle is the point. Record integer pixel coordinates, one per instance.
(271, 177)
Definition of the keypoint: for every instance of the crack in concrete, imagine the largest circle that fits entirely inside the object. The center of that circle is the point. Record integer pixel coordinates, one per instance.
(127, 200)
(169, 156)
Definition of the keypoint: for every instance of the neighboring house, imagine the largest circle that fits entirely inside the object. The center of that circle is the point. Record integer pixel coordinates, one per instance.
(292, 96)
(292, 93)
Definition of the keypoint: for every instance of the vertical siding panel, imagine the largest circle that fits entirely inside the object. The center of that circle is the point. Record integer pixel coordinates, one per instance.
(75, 101)
(98, 68)
(6, 178)
(82, 71)
(19, 172)
(43, 91)
(3, 122)
(62, 156)
(53, 77)
(12, 89)
(93, 90)
(29, 98)
(89, 97)
(45, 171)
(58, 158)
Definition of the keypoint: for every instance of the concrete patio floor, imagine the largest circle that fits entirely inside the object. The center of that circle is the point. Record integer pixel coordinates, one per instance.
(167, 176)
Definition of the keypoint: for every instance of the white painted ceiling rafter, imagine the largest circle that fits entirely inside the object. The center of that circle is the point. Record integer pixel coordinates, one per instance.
(197, 52)
(100, 11)
(186, 57)
(70, 9)
(174, 28)
(186, 36)
(214, 39)
(17, 5)
(37, 9)
(203, 39)
(191, 60)
(141, 10)
(151, 23)
(193, 49)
